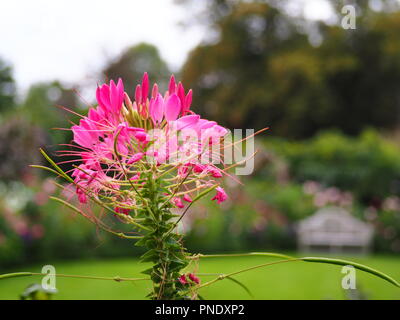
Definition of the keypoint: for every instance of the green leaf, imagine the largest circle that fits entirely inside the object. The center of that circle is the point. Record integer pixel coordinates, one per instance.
(55, 166)
(46, 168)
(242, 285)
(141, 242)
(171, 242)
(169, 216)
(148, 271)
(149, 256)
(176, 265)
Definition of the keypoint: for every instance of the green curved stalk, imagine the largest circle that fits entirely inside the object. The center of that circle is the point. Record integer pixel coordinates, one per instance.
(15, 275)
(24, 274)
(358, 266)
(355, 265)
(265, 254)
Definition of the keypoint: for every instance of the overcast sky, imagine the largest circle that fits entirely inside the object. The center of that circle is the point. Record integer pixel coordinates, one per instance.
(72, 39)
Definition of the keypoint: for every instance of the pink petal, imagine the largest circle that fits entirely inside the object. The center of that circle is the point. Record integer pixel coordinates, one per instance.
(187, 198)
(120, 89)
(172, 108)
(135, 177)
(141, 136)
(157, 108)
(182, 279)
(94, 115)
(181, 93)
(188, 101)
(193, 277)
(187, 121)
(177, 202)
(105, 96)
(138, 94)
(154, 92)
(205, 124)
(172, 85)
(81, 196)
(145, 87)
(128, 101)
(221, 196)
(114, 97)
(82, 137)
(135, 158)
(98, 97)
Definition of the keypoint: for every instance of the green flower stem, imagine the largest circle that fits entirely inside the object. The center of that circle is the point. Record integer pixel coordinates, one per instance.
(15, 275)
(291, 259)
(355, 265)
(265, 254)
(164, 249)
(24, 274)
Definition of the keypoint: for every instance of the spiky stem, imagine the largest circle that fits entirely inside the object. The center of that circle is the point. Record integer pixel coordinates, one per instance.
(164, 248)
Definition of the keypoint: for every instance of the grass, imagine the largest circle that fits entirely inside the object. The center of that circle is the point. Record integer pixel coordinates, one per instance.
(294, 280)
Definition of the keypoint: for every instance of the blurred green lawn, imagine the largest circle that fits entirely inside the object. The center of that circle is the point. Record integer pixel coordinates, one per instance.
(294, 280)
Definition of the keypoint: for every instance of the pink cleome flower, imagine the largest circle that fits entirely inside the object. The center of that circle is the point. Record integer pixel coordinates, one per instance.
(119, 140)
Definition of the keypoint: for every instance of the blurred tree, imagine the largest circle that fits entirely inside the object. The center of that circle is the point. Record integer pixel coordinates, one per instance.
(19, 148)
(269, 69)
(42, 107)
(232, 78)
(30, 126)
(363, 6)
(136, 60)
(7, 87)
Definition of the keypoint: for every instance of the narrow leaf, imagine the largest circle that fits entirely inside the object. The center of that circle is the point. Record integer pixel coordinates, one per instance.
(242, 285)
(45, 168)
(62, 173)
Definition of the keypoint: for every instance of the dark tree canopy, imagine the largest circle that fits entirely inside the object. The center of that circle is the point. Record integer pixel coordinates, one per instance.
(136, 60)
(21, 148)
(43, 108)
(263, 71)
